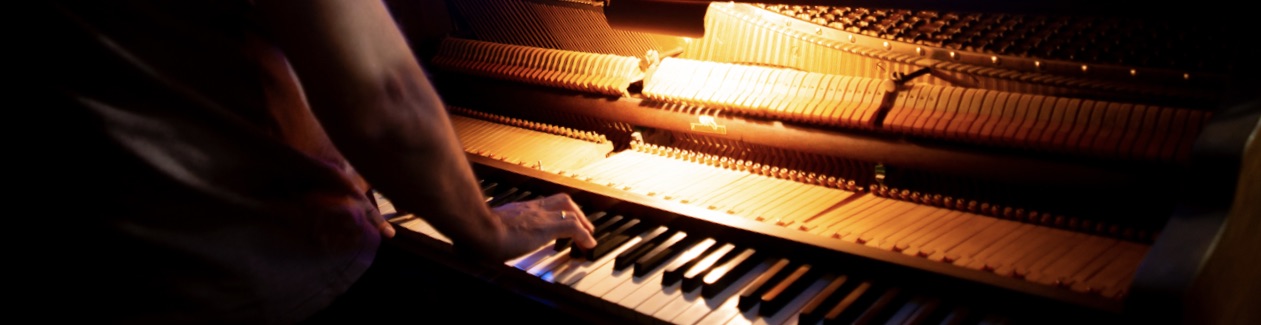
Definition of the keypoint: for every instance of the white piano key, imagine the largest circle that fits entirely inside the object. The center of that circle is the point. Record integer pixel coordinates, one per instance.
(739, 321)
(705, 314)
(684, 301)
(658, 301)
(647, 287)
(420, 226)
(528, 260)
(628, 284)
(550, 262)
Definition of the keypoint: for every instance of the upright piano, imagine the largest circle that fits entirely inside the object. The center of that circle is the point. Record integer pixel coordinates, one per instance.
(885, 162)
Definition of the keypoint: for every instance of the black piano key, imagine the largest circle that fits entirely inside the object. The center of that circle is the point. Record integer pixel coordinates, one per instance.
(613, 239)
(675, 273)
(692, 277)
(916, 307)
(960, 315)
(512, 196)
(630, 255)
(488, 189)
(658, 257)
(849, 307)
(496, 196)
(602, 227)
(752, 294)
(787, 289)
(594, 217)
(605, 224)
(721, 277)
(812, 312)
(881, 308)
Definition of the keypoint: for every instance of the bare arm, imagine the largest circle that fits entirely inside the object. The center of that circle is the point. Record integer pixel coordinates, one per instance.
(373, 99)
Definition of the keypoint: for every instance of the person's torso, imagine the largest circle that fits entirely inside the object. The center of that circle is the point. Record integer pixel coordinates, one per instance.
(213, 190)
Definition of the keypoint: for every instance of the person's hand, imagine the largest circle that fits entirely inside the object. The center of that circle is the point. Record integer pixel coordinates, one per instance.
(386, 229)
(384, 226)
(531, 224)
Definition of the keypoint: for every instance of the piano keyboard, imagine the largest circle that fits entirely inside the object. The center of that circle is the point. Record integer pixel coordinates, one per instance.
(660, 273)
(1039, 253)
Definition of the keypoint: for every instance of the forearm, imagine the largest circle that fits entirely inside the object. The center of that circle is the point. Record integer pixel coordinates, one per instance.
(416, 161)
(373, 99)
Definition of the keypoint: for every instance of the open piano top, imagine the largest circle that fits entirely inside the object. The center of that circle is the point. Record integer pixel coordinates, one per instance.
(914, 165)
